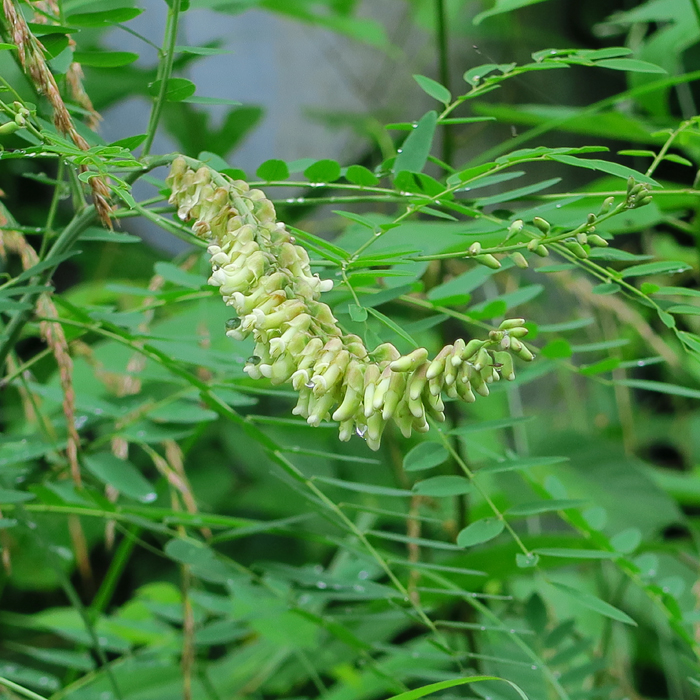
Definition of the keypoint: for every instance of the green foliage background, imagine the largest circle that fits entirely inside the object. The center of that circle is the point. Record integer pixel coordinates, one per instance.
(542, 543)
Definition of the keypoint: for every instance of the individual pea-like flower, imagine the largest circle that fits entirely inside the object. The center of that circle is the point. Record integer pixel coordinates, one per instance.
(267, 279)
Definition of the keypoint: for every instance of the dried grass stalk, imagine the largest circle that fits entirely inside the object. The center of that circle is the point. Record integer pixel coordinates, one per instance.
(31, 57)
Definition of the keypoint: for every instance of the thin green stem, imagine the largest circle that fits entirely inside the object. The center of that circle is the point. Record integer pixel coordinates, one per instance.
(664, 149)
(116, 568)
(20, 690)
(695, 4)
(444, 73)
(165, 70)
(53, 209)
(471, 476)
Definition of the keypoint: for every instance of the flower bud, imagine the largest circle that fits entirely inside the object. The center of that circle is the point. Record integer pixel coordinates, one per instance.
(542, 225)
(519, 260)
(409, 362)
(505, 360)
(488, 260)
(595, 239)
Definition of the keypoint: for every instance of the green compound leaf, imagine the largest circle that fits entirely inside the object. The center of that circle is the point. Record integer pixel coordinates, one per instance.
(120, 474)
(593, 603)
(571, 553)
(656, 268)
(545, 507)
(606, 365)
(557, 349)
(630, 64)
(604, 166)
(105, 59)
(357, 313)
(502, 6)
(434, 89)
(480, 531)
(323, 171)
(182, 412)
(105, 18)
(443, 685)
(177, 89)
(425, 456)
(439, 486)
(273, 170)
(359, 175)
(201, 50)
(416, 148)
(627, 541)
(12, 496)
(661, 387)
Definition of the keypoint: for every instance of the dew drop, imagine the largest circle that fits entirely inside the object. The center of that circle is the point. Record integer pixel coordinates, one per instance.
(400, 150)
(321, 585)
(533, 667)
(361, 430)
(358, 589)
(149, 497)
(363, 574)
(98, 411)
(482, 628)
(80, 421)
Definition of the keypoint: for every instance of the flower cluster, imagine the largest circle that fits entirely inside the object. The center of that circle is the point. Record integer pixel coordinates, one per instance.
(267, 280)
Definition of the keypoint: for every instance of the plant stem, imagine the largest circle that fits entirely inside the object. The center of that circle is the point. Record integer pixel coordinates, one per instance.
(25, 692)
(116, 567)
(165, 70)
(444, 73)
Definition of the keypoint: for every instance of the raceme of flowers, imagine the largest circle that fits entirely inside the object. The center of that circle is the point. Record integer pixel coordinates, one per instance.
(267, 279)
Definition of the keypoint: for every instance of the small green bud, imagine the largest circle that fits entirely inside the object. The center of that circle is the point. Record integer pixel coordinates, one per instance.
(409, 362)
(511, 323)
(542, 225)
(518, 332)
(475, 248)
(595, 239)
(489, 261)
(525, 354)
(9, 128)
(591, 219)
(519, 260)
(471, 348)
(607, 205)
(542, 251)
(576, 248)
(437, 366)
(582, 238)
(515, 228)
(505, 361)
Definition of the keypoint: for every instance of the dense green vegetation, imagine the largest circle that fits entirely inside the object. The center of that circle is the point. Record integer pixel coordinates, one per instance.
(171, 526)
